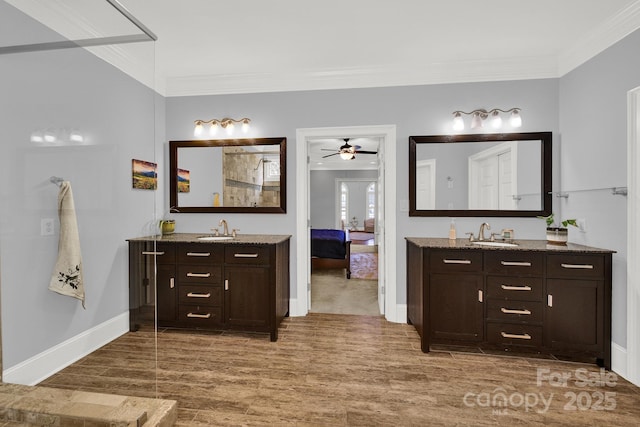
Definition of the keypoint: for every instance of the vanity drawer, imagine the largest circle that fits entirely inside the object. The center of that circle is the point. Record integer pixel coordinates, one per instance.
(514, 263)
(575, 266)
(452, 261)
(516, 311)
(201, 295)
(246, 254)
(514, 288)
(200, 253)
(200, 316)
(514, 334)
(199, 273)
(163, 253)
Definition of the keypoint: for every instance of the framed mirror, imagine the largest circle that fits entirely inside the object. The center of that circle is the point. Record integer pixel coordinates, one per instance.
(502, 174)
(229, 175)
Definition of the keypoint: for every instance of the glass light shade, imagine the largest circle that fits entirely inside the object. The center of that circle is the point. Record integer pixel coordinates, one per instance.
(476, 121)
(213, 129)
(515, 120)
(76, 136)
(245, 126)
(197, 131)
(496, 120)
(345, 155)
(458, 123)
(230, 127)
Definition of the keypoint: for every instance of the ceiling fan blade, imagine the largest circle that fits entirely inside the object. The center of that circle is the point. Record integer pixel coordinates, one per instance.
(329, 155)
(327, 149)
(367, 152)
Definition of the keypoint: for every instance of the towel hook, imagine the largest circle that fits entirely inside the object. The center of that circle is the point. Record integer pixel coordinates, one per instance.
(56, 180)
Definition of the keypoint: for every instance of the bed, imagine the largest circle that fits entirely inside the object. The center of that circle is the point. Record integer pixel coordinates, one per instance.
(330, 249)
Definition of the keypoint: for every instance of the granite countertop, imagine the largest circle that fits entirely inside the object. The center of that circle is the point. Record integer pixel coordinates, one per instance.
(522, 245)
(256, 239)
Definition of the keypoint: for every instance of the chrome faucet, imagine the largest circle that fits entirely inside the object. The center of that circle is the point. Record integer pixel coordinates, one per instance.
(483, 226)
(226, 227)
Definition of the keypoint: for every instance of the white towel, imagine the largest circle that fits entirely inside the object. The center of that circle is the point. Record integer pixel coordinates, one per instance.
(67, 275)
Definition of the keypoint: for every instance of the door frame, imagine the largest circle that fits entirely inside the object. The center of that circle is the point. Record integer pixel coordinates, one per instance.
(632, 368)
(473, 170)
(299, 306)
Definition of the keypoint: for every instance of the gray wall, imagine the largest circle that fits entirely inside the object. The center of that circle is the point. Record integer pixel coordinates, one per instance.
(68, 89)
(415, 110)
(322, 203)
(593, 157)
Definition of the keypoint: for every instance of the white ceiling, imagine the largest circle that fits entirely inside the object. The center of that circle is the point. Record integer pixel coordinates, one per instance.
(249, 46)
(245, 46)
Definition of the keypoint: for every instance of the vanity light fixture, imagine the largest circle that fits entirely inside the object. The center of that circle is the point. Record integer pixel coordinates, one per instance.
(226, 123)
(480, 115)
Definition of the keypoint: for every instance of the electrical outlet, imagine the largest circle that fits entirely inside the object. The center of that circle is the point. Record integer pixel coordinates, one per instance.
(582, 224)
(46, 227)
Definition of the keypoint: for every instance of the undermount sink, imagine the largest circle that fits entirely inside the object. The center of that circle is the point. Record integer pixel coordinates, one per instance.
(214, 238)
(495, 244)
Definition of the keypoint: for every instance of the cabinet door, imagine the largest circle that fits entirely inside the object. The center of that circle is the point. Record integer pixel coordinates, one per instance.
(456, 307)
(575, 314)
(247, 297)
(167, 304)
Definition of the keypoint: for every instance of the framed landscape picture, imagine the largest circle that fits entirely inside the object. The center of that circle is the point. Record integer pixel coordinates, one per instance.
(144, 174)
(184, 180)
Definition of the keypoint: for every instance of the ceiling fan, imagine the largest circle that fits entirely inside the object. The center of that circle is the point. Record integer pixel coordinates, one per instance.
(348, 151)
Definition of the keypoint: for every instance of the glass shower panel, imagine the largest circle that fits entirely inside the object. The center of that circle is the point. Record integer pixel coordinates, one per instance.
(71, 115)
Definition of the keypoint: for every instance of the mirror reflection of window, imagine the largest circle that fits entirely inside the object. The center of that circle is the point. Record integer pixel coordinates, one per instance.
(344, 205)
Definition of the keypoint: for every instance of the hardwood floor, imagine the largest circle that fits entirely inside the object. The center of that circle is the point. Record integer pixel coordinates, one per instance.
(339, 370)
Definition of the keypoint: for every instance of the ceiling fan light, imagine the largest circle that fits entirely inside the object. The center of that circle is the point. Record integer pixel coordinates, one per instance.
(346, 155)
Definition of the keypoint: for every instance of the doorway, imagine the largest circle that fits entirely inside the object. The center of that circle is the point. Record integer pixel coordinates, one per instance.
(386, 218)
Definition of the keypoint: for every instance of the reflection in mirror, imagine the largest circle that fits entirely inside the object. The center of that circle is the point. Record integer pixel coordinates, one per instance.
(480, 175)
(245, 175)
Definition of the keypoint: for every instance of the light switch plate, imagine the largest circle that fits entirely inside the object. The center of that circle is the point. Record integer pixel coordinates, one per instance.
(46, 227)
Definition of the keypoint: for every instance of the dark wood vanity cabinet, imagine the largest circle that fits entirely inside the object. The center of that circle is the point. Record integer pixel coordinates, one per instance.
(455, 296)
(209, 285)
(535, 298)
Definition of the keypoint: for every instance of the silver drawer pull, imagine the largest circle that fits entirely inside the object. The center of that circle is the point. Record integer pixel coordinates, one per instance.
(516, 288)
(199, 316)
(516, 336)
(198, 274)
(511, 311)
(172, 283)
(578, 266)
(245, 255)
(152, 253)
(516, 263)
(456, 261)
(194, 295)
(198, 253)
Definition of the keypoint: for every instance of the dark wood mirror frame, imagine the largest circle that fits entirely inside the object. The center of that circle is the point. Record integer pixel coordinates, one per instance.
(545, 173)
(173, 175)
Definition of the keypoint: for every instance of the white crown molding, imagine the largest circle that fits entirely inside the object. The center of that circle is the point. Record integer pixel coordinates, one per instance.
(461, 71)
(600, 38)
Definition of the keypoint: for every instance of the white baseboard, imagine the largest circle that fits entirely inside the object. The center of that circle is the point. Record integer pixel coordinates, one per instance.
(401, 314)
(619, 360)
(43, 365)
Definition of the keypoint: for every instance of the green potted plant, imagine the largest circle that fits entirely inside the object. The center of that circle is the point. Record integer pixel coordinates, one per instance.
(558, 234)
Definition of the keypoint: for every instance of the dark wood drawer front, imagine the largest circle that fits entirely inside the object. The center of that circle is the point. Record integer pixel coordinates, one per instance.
(201, 295)
(575, 266)
(163, 253)
(443, 261)
(515, 288)
(246, 254)
(514, 334)
(514, 263)
(516, 311)
(199, 273)
(200, 253)
(200, 316)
